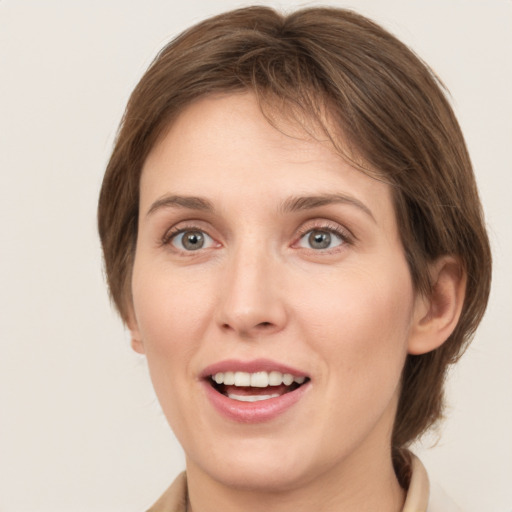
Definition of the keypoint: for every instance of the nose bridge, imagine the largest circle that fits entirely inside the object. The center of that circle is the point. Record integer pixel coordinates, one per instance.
(251, 300)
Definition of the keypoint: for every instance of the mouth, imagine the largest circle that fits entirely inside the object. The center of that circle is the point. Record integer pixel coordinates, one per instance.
(257, 386)
(256, 391)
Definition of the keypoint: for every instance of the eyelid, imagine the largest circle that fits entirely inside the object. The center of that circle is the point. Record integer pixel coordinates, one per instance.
(326, 225)
(329, 226)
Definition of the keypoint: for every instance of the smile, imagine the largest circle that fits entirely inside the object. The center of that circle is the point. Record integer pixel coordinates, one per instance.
(253, 391)
(257, 386)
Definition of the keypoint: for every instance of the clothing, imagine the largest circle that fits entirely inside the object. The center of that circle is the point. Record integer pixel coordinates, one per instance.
(174, 498)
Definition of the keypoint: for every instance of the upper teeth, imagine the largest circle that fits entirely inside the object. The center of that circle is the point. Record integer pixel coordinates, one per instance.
(257, 379)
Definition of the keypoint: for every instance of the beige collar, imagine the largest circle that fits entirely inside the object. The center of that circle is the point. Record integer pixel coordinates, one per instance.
(419, 488)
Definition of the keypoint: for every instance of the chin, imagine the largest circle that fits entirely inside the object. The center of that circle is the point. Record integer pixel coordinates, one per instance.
(256, 466)
(250, 477)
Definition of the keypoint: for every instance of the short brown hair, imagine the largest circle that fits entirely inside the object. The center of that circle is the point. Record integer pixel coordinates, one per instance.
(393, 116)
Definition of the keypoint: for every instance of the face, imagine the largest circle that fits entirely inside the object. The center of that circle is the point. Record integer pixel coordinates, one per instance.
(271, 297)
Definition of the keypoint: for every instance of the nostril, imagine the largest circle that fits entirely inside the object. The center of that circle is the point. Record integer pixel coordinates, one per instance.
(246, 325)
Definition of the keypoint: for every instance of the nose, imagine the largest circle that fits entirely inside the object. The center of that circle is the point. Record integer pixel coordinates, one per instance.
(251, 301)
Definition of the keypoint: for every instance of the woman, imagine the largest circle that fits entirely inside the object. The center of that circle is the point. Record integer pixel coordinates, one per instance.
(292, 233)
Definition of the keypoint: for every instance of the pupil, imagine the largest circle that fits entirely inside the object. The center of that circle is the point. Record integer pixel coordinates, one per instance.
(319, 239)
(193, 240)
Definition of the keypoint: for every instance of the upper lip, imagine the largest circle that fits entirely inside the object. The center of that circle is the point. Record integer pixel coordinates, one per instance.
(252, 366)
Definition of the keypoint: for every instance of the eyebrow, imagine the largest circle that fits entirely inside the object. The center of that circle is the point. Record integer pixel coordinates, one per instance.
(292, 204)
(299, 203)
(175, 201)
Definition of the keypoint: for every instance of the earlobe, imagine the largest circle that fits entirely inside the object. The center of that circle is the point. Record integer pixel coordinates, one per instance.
(436, 316)
(136, 343)
(135, 336)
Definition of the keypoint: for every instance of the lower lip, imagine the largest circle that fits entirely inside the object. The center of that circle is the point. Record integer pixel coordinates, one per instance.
(254, 412)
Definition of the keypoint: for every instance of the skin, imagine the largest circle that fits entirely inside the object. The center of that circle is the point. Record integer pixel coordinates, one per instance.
(346, 315)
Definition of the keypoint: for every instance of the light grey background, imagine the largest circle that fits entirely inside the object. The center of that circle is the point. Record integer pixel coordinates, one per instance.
(80, 429)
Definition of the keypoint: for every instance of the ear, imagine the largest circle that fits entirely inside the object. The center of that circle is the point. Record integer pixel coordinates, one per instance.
(136, 338)
(436, 316)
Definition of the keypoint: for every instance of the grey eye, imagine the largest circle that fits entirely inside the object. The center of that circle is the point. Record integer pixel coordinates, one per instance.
(319, 239)
(191, 240)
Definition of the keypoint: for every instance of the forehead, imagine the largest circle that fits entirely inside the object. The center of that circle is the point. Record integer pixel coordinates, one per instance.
(225, 143)
(234, 118)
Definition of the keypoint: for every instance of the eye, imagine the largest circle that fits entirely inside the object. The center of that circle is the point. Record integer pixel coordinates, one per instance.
(321, 239)
(191, 240)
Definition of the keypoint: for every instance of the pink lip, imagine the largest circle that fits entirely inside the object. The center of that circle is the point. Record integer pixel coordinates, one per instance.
(252, 412)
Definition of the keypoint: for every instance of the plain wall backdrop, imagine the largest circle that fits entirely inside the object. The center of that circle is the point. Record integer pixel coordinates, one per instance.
(80, 428)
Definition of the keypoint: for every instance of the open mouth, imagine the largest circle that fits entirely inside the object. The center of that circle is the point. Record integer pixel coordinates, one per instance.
(255, 387)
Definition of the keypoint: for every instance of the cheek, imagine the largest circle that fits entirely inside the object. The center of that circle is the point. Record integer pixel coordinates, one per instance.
(167, 304)
(172, 312)
(362, 324)
(357, 328)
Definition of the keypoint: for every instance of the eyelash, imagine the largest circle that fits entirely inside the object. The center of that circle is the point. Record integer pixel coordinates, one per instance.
(323, 226)
(344, 235)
